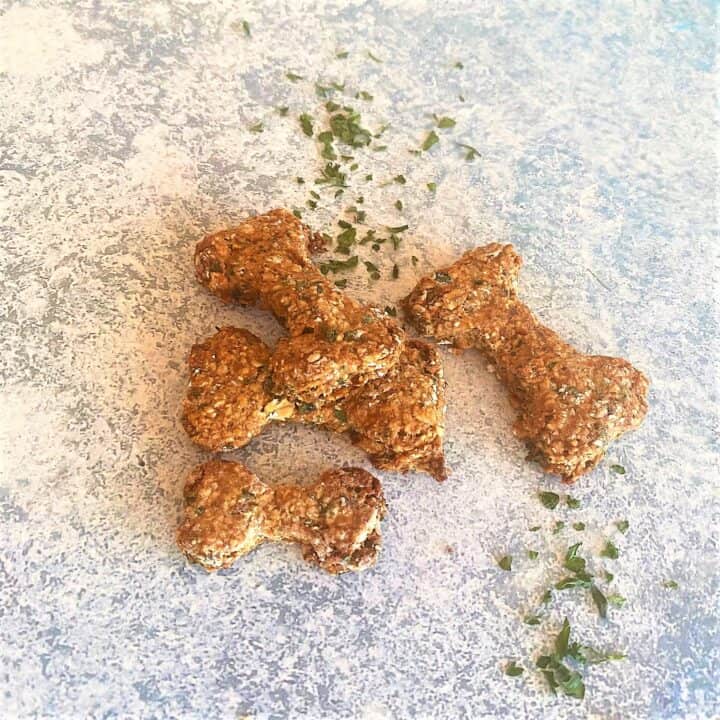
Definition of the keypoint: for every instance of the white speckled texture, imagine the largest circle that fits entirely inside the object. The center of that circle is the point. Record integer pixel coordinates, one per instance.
(124, 138)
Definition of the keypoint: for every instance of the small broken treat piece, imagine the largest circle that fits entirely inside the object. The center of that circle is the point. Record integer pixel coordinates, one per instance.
(397, 419)
(571, 406)
(228, 401)
(229, 512)
(333, 341)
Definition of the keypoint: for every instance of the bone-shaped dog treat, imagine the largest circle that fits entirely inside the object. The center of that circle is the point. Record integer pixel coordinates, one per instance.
(397, 419)
(229, 512)
(571, 406)
(334, 341)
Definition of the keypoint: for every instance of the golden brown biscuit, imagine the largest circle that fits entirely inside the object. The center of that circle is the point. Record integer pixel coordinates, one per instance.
(229, 511)
(334, 341)
(571, 405)
(344, 365)
(397, 419)
(228, 401)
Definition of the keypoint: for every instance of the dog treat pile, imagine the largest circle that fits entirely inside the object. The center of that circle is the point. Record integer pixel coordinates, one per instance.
(348, 367)
(344, 365)
(570, 406)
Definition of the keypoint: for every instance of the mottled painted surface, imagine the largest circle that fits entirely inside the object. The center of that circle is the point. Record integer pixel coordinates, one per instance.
(124, 137)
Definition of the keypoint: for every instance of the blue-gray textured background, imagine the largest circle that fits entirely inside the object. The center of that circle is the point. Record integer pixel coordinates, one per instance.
(125, 135)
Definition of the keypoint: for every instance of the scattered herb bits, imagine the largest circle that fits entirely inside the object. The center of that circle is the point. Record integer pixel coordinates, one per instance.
(622, 526)
(618, 469)
(241, 26)
(470, 152)
(549, 499)
(610, 551)
(670, 585)
(601, 602)
(432, 187)
(306, 124)
(505, 563)
(292, 77)
(513, 670)
(444, 123)
(430, 140)
(335, 266)
(372, 269)
(572, 502)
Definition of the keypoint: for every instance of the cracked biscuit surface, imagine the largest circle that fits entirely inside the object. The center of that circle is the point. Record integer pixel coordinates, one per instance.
(571, 406)
(229, 512)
